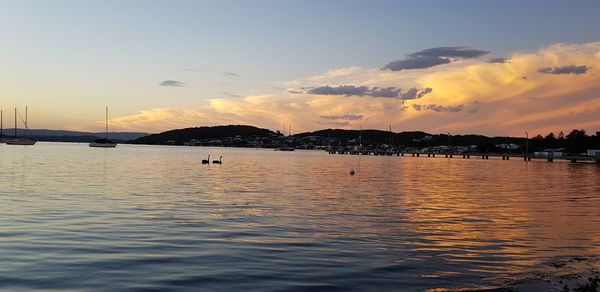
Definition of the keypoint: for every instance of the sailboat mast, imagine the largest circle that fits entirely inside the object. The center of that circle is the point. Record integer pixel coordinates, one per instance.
(106, 122)
(1, 125)
(25, 116)
(15, 122)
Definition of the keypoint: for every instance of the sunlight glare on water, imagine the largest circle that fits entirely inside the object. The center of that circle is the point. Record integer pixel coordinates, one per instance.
(152, 217)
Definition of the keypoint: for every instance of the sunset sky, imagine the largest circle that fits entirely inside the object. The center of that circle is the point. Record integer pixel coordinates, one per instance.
(486, 67)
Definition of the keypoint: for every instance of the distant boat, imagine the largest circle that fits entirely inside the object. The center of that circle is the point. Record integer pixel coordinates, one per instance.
(104, 142)
(16, 140)
(285, 147)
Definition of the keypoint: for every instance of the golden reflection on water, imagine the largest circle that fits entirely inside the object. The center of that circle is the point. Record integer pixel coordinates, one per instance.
(485, 217)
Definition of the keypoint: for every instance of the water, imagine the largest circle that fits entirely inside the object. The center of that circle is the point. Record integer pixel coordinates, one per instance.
(153, 218)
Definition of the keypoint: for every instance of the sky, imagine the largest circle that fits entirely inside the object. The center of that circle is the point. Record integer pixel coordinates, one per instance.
(485, 67)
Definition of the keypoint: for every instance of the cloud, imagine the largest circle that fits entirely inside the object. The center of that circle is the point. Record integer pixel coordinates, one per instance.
(434, 56)
(450, 52)
(230, 74)
(349, 117)
(441, 108)
(172, 83)
(425, 91)
(351, 90)
(346, 90)
(230, 94)
(204, 69)
(416, 63)
(506, 103)
(410, 94)
(385, 92)
(564, 70)
(498, 60)
(336, 124)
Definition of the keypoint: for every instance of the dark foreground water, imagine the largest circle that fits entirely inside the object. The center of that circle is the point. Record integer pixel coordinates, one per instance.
(154, 218)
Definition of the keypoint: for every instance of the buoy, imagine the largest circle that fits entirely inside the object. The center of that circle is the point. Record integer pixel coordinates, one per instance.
(351, 171)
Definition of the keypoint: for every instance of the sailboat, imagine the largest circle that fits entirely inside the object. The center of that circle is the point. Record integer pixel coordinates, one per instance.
(285, 147)
(104, 142)
(20, 141)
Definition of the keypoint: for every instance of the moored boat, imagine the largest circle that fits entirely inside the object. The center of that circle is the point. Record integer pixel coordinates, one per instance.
(104, 142)
(16, 140)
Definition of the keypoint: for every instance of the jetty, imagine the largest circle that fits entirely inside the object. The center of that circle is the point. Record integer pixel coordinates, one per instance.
(496, 156)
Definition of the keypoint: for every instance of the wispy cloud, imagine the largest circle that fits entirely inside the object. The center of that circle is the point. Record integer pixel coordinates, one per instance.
(230, 94)
(203, 69)
(349, 117)
(172, 83)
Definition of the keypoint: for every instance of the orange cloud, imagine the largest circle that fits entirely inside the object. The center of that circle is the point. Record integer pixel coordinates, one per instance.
(468, 96)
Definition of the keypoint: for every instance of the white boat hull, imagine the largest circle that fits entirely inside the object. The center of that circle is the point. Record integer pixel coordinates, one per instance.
(103, 145)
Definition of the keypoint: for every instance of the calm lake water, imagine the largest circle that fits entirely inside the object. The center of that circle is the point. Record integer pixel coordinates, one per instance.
(153, 218)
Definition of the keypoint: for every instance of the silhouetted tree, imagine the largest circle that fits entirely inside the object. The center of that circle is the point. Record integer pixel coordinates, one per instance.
(550, 141)
(577, 141)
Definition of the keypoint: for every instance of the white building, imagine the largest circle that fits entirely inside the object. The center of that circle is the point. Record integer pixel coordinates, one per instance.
(550, 152)
(593, 152)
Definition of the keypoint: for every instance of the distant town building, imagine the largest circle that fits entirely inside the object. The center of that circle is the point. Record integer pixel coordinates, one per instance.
(510, 146)
(551, 152)
(593, 152)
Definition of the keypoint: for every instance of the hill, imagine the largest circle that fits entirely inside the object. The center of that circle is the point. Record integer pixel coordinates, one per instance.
(181, 136)
(70, 136)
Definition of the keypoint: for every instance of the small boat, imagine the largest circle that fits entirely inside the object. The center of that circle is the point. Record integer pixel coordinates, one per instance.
(104, 142)
(286, 148)
(16, 140)
(19, 142)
